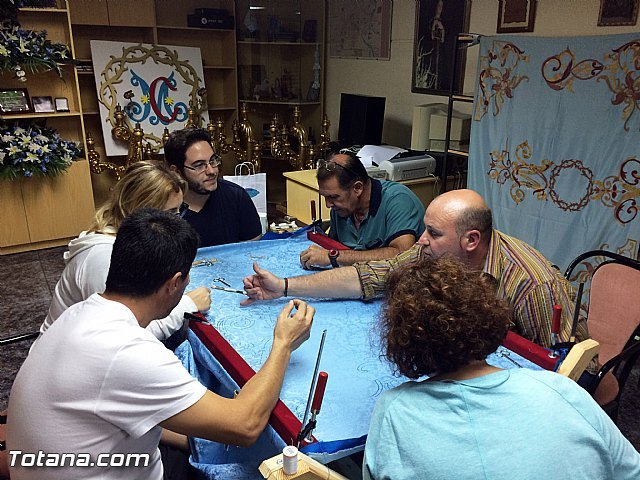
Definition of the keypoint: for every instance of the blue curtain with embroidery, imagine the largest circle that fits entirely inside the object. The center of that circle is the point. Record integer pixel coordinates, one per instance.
(555, 141)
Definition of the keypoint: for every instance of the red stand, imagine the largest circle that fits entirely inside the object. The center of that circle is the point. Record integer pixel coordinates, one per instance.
(282, 419)
(325, 241)
(531, 351)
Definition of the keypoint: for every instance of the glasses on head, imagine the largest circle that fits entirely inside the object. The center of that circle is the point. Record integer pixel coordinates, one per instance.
(331, 165)
(201, 165)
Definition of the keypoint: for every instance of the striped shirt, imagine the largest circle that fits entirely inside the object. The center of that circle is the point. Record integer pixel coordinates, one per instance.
(526, 280)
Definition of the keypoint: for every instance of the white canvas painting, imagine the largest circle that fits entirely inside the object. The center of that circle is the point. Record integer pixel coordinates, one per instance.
(154, 84)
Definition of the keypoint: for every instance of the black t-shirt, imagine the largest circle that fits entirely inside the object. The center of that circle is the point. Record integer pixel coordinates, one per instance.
(228, 216)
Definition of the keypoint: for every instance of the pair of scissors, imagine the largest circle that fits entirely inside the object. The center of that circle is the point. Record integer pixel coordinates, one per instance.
(505, 354)
(230, 290)
(221, 280)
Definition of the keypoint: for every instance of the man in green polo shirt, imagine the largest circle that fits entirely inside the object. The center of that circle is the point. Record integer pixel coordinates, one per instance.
(375, 219)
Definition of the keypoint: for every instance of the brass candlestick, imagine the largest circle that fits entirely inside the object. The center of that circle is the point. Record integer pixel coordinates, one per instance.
(247, 147)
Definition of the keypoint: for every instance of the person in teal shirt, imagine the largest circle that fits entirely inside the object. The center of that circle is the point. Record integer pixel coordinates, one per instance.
(375, 219)
(470, 420)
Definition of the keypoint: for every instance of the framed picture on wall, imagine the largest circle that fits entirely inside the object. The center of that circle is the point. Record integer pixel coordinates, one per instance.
(618, 12)
(14, 100)
(515, 16)
(438, 22)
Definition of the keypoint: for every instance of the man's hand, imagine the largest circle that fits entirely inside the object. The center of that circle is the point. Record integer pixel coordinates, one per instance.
(292, 330)
(314, 256)
(264, 285)
(201, 296)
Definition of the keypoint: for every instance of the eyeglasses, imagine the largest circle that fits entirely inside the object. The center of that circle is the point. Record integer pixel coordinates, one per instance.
(330, 166)
(201, 165)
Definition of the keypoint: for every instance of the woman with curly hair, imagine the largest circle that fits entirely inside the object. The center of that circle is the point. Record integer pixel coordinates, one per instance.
(471, 420)
(145, 184)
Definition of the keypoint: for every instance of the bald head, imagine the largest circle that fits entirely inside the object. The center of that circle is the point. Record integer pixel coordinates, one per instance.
(468, 211)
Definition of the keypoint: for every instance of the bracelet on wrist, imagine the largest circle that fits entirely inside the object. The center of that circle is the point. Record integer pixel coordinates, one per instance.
(286, 286)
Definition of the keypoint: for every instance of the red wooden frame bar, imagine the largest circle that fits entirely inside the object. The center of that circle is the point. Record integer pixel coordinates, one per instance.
(325, 241)
(531, 351)
(282, 419)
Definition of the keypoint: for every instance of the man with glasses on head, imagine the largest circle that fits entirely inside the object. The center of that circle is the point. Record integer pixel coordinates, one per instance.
(375, 219)
(220, 211)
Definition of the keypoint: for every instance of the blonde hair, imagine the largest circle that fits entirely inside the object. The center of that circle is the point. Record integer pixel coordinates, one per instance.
(145, 184)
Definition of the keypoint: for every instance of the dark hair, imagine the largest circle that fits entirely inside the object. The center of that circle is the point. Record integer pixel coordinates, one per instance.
(175, 149)
(475, 218)
(151, 246)
(352, 171)
(440, 315)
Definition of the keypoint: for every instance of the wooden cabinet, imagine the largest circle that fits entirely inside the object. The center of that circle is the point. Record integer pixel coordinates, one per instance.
(41, 212)
(281, 60)
(163, 23)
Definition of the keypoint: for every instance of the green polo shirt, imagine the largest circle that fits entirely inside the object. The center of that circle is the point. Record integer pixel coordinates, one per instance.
(394, 210)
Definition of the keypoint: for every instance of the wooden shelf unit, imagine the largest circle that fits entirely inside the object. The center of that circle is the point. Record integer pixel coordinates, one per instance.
(155, 22)
(280, 55)
(41, 212)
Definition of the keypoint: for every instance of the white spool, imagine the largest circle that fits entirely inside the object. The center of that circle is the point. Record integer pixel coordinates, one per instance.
(290, 460)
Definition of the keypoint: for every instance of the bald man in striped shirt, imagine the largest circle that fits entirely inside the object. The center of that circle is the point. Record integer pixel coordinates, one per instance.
(457, 223)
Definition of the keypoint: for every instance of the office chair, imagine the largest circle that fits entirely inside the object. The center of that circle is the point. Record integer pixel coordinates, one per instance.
(614, 321)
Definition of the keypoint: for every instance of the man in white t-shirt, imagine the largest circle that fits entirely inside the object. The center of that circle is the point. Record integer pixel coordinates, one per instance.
(113, 385)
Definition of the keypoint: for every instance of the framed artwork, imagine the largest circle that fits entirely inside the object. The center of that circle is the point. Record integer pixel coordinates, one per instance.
(437, 25)
(62, 104)
(618, 12)
(515, 16)
(154, 84)
(360, 29)
(42, 104)
(15, 100)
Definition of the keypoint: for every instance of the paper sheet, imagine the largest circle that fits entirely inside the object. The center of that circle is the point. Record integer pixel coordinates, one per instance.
(372, 155)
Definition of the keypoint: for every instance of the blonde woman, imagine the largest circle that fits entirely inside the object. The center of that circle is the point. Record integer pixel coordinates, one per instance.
(145, 184)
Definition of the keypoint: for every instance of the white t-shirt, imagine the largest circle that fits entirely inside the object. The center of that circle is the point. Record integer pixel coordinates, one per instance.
(96, 383)
(85, 273)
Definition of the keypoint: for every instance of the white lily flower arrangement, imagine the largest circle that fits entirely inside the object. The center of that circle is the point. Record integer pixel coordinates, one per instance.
(30, 150)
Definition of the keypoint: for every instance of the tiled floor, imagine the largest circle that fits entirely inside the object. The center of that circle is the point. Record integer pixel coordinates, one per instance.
(25, 293)
(27, 280)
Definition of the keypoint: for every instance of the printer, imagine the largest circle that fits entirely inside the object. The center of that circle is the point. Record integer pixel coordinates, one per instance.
(409, 166)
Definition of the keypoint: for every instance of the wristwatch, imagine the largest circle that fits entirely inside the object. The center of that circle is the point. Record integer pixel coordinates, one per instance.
(333, 257)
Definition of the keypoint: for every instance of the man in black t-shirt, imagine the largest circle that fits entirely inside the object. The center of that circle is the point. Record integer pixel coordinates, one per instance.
(220, 211)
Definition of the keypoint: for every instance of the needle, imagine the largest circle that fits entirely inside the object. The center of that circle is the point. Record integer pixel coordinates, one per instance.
(230, 290)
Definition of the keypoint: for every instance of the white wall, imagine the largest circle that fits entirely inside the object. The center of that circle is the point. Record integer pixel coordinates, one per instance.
(392, 79)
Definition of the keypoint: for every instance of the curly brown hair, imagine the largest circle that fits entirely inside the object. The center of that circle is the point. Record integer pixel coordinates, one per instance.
(440, 316)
